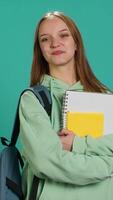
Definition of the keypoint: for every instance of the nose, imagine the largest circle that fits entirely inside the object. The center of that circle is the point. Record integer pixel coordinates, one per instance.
(54, 43)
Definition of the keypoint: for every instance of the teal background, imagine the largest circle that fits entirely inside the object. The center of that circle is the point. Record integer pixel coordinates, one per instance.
(18, 19)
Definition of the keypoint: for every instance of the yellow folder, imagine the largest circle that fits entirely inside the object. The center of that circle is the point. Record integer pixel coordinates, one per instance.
(86, 123)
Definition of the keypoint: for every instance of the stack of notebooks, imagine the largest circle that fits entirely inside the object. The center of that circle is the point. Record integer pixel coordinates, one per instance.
(88, 113)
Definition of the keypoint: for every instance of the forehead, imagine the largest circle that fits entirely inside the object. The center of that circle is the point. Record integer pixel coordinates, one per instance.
(51, 25)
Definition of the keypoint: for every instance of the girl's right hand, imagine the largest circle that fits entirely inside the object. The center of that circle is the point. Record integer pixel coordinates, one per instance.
(66, 137)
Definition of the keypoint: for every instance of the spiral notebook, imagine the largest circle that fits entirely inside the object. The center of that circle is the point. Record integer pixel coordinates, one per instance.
(88, 113)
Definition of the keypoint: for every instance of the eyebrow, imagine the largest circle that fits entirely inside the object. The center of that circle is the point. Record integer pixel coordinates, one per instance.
(58, 31)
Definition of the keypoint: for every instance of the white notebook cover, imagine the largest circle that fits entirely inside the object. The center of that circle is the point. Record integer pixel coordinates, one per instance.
(76, 101)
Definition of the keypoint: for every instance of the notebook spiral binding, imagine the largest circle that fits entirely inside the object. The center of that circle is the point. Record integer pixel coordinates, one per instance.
(64, 108)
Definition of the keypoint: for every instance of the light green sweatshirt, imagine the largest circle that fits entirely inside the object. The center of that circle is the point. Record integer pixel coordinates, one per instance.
(83, 174)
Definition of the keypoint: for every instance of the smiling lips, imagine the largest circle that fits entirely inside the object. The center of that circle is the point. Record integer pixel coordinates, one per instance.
(57, 52)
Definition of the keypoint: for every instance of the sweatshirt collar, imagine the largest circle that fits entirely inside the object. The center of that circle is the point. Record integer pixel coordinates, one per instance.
(59, 84)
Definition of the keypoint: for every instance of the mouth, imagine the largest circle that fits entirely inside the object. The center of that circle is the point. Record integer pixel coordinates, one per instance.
(57, 52)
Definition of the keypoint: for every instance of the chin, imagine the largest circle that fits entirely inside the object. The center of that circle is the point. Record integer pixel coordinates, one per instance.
(59, 63)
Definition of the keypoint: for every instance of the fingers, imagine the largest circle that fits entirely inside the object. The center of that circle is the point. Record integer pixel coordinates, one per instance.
(65, 132)
(67, 141)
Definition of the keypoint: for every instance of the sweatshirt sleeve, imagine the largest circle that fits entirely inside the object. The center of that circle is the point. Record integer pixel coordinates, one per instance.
(102, 146)
(45, 155)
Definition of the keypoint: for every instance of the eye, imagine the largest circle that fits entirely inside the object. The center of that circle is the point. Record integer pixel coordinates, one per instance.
(44, 39)
(63, 35)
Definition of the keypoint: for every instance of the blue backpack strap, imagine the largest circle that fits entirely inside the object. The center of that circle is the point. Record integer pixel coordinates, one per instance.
(44, 97)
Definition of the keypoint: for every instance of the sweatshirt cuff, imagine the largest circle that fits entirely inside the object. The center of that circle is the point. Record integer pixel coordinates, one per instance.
(79, 145)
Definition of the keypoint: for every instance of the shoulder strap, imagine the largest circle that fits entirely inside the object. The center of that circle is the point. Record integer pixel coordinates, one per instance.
(44, 97)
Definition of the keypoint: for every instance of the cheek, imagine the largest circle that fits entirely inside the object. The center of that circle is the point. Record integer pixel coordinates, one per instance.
(72, 49)
(44, 50)
(71, 46)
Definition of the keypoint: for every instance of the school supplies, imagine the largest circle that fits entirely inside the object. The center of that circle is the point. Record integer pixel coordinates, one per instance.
(88, 113)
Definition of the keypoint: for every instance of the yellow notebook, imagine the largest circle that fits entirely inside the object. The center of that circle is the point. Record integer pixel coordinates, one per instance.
(86, 123)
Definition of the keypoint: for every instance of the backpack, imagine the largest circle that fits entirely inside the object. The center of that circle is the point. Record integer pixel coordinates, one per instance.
(11, 162)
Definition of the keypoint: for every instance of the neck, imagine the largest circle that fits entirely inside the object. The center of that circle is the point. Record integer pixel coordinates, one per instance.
(66, 74)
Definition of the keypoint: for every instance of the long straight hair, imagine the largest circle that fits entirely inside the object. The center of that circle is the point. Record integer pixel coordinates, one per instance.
(82, 67)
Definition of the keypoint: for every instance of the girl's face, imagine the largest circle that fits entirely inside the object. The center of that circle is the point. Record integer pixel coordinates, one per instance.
(56, 42)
